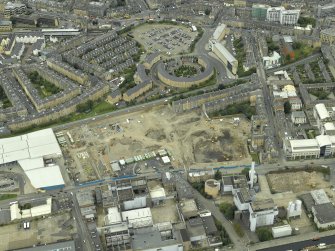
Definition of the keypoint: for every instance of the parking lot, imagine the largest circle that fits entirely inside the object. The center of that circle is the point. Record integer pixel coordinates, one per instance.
(48, 230)
(169, 39)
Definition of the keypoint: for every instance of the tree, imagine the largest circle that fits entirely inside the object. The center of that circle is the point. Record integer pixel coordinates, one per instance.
(287, 107)
(264, 234)
(228, 210)
(245, 171)
(207, 12)
(218, 175)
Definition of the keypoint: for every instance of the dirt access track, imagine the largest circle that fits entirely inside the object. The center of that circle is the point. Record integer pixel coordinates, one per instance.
(190, 138)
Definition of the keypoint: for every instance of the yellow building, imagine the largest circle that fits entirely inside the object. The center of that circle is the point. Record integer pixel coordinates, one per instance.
(240, 3)
(5, 25)
(114, 97)
(137, 91)
(327, 36)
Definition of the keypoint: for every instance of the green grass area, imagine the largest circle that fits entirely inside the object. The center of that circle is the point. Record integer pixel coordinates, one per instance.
(185, 71)
(128, 82)
(302, 50)
(222, 232)
(320, 94)
(255, 157)
(304, 21)
(228, 210)
(264, 234)
(232, 109)
(317, 72)
(272, 46)
(311, 134)
(4, 101)
(44, 87)
(238, 229)
(241, 56)
(7, 196)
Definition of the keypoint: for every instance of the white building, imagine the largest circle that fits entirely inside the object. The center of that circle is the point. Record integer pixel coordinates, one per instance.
(289, 17)
(272, 61)
(138, 218)
(321, 115)
(302, 148)
(273, 14)
(321, 146)
(43, 208)
(262, 213)
(294, 209)
(328, 128)
(29, 151)
(281, 231)
(225, 56)
(220, 32)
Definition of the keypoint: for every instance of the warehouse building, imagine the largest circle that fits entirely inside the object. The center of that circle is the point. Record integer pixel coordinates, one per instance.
(324, 215)
(220, 32)
(29, 151)
(226, 57)
(65, 245)
(321, 146)
(39, 207)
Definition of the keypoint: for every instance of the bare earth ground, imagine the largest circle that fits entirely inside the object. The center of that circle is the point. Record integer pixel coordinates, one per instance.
(296, 182)
(42, 231)
(191, 140)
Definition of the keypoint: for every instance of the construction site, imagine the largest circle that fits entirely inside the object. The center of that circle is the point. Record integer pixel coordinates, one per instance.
(189, 140)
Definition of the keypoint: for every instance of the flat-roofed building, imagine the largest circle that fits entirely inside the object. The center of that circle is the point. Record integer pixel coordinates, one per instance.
(262, 213)
(273, 14)
(321, 115)
(302, 148)
(289, 17)
(225, 56)
(220, 32)
(272, 61)
(324, 215)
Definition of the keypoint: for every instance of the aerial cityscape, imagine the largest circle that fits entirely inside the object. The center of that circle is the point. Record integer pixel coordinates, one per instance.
(170, 125)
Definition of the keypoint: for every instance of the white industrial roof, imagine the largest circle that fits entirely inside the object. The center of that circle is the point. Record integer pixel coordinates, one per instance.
(303, 144)
(45, 176)
(323, 140)
(329, 126)
(32, 145)
(166, 159)
(230, 58)
(218, 31)
(29, 164)
(322, 111)
(320, 196)
(136, 214)
(157, 193)
(113, 216)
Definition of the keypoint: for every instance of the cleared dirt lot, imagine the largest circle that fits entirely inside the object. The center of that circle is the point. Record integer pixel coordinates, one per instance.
(296, 181)
(189, 138)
